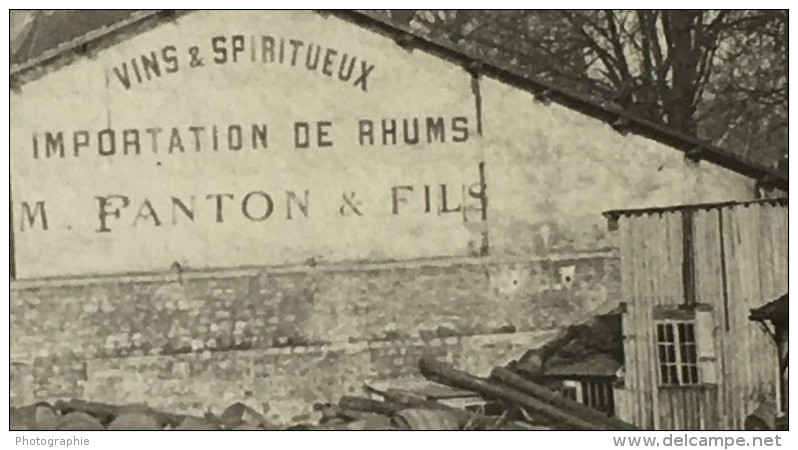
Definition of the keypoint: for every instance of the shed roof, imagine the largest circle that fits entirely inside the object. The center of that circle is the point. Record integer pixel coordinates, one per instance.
(597, 365)
(104, 28)
(776, 311)
(613, 215)
(590, 348)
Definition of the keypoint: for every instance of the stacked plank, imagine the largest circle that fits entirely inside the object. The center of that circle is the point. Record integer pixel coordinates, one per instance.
(526, 406)
(399, 410)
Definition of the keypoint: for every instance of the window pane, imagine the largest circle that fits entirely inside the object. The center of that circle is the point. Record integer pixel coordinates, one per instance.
(694, 374)
(663, 374)
(674, 374)
(663, 356)
(660, 333)
(671, 353)
(691, 355)
(586, 393)
(681, 332)
(601, 390)
(669, 332)
(686, 374)
(689, 332)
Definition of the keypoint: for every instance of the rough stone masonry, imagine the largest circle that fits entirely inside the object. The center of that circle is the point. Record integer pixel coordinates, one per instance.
(292, 338)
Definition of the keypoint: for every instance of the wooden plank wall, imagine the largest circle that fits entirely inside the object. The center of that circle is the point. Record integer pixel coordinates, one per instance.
(688, 408)
(740, 262)
(651, 265)
(756, 265)
(710, 265)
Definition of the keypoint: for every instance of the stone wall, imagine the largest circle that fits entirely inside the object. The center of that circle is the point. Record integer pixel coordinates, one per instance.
(199, 340)
(285, 381)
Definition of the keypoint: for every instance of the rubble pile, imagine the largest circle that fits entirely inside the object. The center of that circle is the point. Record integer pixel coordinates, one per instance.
(503, 401)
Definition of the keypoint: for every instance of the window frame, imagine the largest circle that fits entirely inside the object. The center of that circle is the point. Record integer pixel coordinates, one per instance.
(682, 369)
(571, 389)
(594, 392)
(598, 393)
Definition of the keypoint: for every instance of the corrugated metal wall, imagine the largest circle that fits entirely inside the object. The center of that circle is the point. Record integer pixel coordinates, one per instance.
(740, 255)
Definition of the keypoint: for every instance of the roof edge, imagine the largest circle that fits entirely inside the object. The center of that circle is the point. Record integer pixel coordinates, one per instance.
(614, 215)
(77, 43)
(694, 148)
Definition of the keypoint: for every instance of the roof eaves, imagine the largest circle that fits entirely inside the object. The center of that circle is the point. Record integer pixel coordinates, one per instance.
(79, 43)
(596, 365)
(616, 214)
(602, 110)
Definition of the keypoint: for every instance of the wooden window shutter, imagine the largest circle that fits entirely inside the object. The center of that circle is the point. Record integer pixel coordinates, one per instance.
(705, 346)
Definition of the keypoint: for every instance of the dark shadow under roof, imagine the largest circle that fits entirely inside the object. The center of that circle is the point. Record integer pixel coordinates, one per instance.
(593, 348)
(597, 365)
(76, 45)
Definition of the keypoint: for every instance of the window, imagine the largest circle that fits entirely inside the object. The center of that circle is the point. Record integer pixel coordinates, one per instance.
(570, 388)
(596, 393)
(676, 348)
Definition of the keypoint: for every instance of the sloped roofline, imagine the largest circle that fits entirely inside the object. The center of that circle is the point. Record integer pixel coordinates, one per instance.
(617, 213)
(608, 112)
(79, 44)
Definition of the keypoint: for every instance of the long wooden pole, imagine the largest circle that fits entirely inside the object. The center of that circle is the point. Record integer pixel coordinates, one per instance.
(445, 374)
(509, 378)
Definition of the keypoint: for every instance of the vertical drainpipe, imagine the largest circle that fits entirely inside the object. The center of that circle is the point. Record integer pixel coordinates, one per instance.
(475, 70)
(688, 258)
(724, 277)
(12, 264)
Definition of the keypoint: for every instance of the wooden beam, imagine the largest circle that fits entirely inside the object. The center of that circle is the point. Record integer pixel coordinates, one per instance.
(515, 381)
(445, 374)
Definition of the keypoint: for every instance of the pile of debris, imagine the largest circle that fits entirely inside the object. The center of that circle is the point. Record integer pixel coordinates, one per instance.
(508, 402)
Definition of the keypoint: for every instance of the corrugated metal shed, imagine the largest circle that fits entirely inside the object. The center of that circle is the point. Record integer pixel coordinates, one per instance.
(710, 264)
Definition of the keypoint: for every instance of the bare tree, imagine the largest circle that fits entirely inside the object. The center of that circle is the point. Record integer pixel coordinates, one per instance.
(716, 75)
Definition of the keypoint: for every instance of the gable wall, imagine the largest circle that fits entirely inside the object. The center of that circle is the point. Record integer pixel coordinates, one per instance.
(332, 277)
